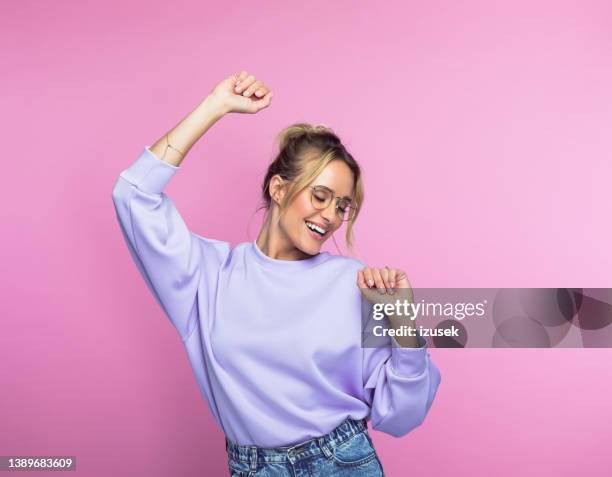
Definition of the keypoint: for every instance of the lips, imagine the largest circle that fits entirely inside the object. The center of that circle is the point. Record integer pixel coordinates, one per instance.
(318, 224)
(315, 235)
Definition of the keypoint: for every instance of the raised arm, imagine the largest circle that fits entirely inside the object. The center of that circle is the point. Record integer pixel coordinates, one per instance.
(239, 93)
(171, 259)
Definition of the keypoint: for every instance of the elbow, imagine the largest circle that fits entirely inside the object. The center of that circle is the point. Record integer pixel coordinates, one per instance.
(116, 193)
(119, 192)
(435, 380)
(411, 413)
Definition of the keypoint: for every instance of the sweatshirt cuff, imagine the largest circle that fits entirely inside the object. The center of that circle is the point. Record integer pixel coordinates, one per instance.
(149, 173)
(408, 362)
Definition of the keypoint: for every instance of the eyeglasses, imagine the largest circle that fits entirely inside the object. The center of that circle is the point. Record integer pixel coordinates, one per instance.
(322, 196)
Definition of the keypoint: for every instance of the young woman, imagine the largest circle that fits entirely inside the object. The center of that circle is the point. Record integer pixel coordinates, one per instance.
(273, 327)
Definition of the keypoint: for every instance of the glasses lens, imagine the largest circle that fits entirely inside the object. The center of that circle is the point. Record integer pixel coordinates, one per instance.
(321, 198)
(346, 213)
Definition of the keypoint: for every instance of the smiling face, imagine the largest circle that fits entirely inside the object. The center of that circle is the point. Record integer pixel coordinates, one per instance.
(336, 176)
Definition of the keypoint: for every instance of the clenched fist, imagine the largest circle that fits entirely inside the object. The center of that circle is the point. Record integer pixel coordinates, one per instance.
(384, 285)
(241, 93)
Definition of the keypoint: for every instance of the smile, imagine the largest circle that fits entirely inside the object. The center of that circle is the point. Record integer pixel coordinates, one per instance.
(316, 231)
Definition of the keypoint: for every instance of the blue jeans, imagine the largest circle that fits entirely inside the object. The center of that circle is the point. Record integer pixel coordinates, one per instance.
(345, 451)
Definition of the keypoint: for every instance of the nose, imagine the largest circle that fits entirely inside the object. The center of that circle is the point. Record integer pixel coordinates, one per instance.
(329, 213)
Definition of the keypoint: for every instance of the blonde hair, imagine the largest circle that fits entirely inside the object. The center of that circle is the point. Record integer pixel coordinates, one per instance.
(301, 144)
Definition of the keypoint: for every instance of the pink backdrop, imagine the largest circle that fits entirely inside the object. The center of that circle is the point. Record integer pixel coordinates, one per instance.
(483, 129)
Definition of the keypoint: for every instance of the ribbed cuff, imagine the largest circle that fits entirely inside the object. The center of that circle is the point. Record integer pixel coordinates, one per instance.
(408, 362)
(149, 173)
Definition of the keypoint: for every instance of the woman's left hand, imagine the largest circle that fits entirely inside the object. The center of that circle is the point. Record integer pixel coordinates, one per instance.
(383, 285)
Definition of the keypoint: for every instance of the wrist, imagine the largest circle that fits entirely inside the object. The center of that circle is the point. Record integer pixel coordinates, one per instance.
(214, 107)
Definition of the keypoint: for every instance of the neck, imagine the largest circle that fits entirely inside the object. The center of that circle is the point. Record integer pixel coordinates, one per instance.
(275, 243)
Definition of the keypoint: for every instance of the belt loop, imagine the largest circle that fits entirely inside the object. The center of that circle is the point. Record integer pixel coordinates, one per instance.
(324, 448)
(254, 458)
(364, 424)
(352, 427)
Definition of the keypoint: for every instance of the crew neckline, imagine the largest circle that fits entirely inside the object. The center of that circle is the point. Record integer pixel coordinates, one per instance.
(270, 262)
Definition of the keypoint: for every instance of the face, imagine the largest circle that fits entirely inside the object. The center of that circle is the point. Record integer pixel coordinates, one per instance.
(336, 176)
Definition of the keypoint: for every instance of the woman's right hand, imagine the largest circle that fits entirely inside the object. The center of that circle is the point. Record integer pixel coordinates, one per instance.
(241, 93)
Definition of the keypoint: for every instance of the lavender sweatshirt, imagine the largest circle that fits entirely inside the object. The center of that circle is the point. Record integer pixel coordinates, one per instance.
(275, 345)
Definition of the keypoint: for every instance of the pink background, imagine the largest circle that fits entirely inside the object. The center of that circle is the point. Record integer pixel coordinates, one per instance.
(483, 129)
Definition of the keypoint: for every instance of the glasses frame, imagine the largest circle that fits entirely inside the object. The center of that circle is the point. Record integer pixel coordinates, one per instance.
(353, 209)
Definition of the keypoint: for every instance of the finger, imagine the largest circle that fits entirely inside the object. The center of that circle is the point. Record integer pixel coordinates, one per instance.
(245, 83)
(261, 91)
(369, 278)
(239, 77)
(401, 276)
(378, 280)
(385, 273)
(263, 102)
(251, 89)
(361, 280)
(392, 278)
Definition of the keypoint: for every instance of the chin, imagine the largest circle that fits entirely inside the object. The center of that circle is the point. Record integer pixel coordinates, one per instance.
(310, 246)
(311, 243)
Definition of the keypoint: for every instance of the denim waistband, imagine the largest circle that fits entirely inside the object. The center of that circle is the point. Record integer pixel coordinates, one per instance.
(252, 454)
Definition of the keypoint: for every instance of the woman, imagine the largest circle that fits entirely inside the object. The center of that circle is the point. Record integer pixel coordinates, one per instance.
(272, 327)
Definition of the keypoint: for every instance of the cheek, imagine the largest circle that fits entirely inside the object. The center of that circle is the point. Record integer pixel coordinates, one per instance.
(297, 212)
(302, 208)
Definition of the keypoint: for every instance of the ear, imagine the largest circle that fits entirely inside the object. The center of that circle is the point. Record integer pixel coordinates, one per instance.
(277, 188)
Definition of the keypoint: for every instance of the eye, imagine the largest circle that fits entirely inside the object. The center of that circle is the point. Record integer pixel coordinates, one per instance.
(320, 197)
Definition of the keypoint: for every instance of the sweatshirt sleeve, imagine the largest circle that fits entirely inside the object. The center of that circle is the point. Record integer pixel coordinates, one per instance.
(168, 255)
(400, 385)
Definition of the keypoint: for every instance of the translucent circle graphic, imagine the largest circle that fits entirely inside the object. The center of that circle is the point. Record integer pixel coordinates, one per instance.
(450, 341)
(534, 317)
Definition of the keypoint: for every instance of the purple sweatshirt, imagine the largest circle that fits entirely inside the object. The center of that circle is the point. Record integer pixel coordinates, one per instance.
(275, 345)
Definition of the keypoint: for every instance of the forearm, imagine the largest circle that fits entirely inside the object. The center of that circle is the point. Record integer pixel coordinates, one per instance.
(187, 132)
(403, 317)
(405, 341)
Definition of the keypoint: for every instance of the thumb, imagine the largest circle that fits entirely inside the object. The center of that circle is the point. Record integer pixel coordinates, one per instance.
(263, 102)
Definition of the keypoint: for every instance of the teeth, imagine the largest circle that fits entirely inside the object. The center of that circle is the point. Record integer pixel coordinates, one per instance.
(316, 228)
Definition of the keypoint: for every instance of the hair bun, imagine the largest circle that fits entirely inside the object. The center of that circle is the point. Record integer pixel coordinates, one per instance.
(299, 130)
